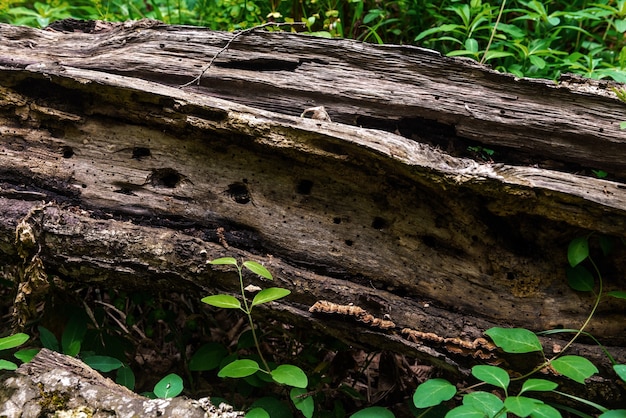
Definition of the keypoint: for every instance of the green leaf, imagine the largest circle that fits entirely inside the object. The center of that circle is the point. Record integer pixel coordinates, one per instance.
(471, 45)
(304, 404)
(579, 278)
(257, 413)
(521, 406)
(616, 413)
(432, 392)
(545, 411)
(514, 340)
(103, 363)
(465, 411)
(208, 357)
(26, 355)
(48, 339)
(73, 335)
(287, 374)
(577, 251)
(239, 368)
(373, 412)
(7, 365)
(224, 260)
(575, 367)
(258, 269)
(274, 407)
(620, 369)
(268, 295)
(622, 125)
(538, 385)
(488, 403)
(222, 301)
(620, 294)
(125, 377)
(169, 387)
(492, 375)
(13, 341)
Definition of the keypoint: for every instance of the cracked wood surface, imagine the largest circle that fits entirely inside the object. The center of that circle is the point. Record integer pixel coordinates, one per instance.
(441, 244)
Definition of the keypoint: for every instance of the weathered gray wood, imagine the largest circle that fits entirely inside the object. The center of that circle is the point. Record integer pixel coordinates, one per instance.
(53, 384)
(441, 244)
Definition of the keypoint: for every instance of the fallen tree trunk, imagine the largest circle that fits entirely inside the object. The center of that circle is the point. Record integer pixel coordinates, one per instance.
(149, 180)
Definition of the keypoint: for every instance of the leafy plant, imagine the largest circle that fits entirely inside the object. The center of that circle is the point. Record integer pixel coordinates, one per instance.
(285, 374)
(518, 340)
(6, 343)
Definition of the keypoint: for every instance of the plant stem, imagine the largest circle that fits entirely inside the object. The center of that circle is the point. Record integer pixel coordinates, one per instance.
(249, 314)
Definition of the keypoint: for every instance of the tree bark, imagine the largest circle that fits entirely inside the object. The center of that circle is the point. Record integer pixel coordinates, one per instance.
(112, 172)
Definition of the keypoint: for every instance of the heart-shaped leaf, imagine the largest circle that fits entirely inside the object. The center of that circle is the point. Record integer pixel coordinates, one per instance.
(290, 375)
(169, 387)
(577, 251)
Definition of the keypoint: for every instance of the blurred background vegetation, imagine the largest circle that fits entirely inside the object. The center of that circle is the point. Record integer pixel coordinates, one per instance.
(531, 38)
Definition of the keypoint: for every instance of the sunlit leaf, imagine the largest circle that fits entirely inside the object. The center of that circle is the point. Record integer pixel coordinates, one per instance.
(26, 355)
(575, 367)
(373, 412)
(486, 402)
(545, 411)
(223, 260)
(465, 411)
(492, 375)
(257, 413)
(304, 403)
(432, 392)
(577, 251)
(521, 406)
(169, 387)
(7, 365)
(620, 369)
(13, 341)
(538, 385)
(579, 278)
(514, 340)
(102, 363)
(239, 368)
(258, 269)
(287, 374)
(268, 295)
(222, 301)
(616, 413)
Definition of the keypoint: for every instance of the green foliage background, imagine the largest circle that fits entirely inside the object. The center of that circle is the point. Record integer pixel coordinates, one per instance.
(532, 38)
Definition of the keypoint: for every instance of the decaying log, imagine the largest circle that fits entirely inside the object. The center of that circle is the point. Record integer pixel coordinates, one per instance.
(124, 177)
(54, 384)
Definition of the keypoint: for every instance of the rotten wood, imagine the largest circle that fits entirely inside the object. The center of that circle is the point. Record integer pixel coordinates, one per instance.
(151, 180)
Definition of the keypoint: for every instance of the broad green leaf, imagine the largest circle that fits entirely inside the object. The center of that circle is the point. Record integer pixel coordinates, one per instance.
(304, 403)
(125, 377)
(575, 367)
(222, 301)
(432, 392)
(7, 365)
(514, 340)
(268, 295)
(239, 368)
(73, 335)
(103, 363)
(258, 269)
(208, 357)
(492, 375)
(606, 242)
(616, 413)
(579, 278)
(224, 260)
(545, 411)
(257, 413)
(287, 374)
(169, 387)
(13, 341)
(274, 407)
(465, 411)
(373, 412)
(48, 339)
(521, 405)
(537, 61)
(577, 251)
(620, 294)
(471, 45)
(620, 369)
(443, 28)
(486, 402)
(538, 385)
(26, 355)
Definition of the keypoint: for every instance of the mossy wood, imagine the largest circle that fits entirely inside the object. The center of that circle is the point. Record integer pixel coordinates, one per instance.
(379, 208)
